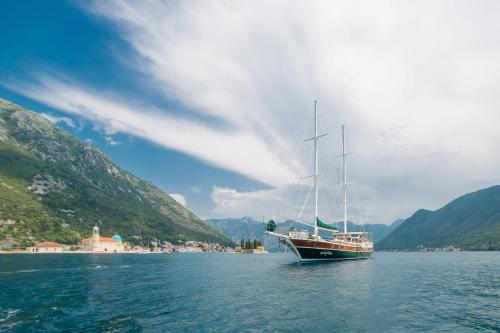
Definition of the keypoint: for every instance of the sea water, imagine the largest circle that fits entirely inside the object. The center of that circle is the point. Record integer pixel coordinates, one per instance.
(392, 292)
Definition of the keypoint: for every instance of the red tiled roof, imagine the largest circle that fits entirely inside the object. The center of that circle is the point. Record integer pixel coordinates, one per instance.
(49, 244)
(106, 239)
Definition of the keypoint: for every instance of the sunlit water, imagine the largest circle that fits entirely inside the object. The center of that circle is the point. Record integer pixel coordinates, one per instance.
(393, 292)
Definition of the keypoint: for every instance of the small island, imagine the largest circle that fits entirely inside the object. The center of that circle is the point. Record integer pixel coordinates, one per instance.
(250, 246)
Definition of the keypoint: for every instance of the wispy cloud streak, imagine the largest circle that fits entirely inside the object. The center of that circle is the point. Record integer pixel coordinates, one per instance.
(233, 150)
(415, 82)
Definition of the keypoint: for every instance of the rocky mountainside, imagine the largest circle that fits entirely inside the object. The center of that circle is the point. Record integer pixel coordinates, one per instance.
(471, 222)
(54, 187)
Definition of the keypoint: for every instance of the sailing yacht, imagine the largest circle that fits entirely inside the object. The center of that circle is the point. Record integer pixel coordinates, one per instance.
(339, 245)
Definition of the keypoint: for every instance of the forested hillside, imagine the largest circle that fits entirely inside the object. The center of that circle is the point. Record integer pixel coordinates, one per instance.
(471, 222)
(54, 187)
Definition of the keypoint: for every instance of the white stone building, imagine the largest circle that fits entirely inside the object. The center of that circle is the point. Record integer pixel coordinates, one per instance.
(46, 247)
(96, 243)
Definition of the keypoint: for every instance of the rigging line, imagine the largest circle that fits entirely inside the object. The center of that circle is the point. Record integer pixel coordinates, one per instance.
(303, 136)
(335, 185)
(354, 196)
(330, 174)
(297, 201)
(323, 127)
(275, 208)
(305, 223)
(334, 204)
(305, 202)
(361, 218)
(300, 198)
(332, 192)
(335, 207)
(337, 196)
(298, 151)
(329, 171)
(327, 192)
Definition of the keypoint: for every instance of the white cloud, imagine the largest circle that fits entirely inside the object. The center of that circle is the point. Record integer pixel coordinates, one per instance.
(416, 83)
(54, 119)
(111, 141)
(235, 150)
(179, 198)
(231, 203)
(282, 203)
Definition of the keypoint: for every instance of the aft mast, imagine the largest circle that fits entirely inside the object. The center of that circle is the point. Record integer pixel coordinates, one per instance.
(344, 176)
(315, 168)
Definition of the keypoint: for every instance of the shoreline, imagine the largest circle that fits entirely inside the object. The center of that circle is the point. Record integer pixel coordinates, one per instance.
(90, 252)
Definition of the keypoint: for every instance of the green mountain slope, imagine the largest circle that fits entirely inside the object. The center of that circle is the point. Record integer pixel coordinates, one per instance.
(471, 222)
(54, 187)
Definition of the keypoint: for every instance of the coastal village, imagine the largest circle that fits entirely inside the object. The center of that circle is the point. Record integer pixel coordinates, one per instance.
(115, 244)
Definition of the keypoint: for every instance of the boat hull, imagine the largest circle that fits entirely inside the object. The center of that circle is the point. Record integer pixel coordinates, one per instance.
(318, 251)
(309, 254)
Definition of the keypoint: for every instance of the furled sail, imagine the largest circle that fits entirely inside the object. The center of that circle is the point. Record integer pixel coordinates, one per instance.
(324, 225)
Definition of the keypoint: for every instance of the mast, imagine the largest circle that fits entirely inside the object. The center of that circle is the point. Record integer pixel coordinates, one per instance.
(315, 176)
(344, 176)
(315, 168)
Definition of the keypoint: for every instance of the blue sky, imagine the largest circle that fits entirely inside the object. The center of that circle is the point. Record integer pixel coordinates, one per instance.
(60, 36)
(210, 100)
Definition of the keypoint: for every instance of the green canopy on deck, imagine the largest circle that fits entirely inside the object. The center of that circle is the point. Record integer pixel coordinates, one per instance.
(324, 225)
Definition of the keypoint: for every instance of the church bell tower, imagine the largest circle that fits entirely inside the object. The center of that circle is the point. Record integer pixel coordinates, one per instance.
(95, 237)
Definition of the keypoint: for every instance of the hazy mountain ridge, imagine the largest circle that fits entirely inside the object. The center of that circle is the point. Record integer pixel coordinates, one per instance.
(55, 187)
(248, 228)
(470, 222)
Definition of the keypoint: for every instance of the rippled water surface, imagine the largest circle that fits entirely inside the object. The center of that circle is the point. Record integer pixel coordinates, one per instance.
(393, 292)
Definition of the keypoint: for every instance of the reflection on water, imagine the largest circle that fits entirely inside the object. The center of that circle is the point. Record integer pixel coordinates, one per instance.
(445, 292)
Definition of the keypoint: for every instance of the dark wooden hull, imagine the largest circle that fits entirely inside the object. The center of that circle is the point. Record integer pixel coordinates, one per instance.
(308, 250)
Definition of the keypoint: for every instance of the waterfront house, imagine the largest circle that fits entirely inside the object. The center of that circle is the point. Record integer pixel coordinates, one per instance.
(46, 247)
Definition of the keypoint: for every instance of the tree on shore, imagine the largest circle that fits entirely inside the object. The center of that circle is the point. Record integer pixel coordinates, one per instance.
(249, 244)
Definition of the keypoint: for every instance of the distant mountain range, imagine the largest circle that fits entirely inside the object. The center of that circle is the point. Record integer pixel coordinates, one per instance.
(54, 187)
(471, 222)
(248, 228)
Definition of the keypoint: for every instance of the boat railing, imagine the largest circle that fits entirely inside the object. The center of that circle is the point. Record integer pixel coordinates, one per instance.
(296, 234)
(351, 242)
(281, 231)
